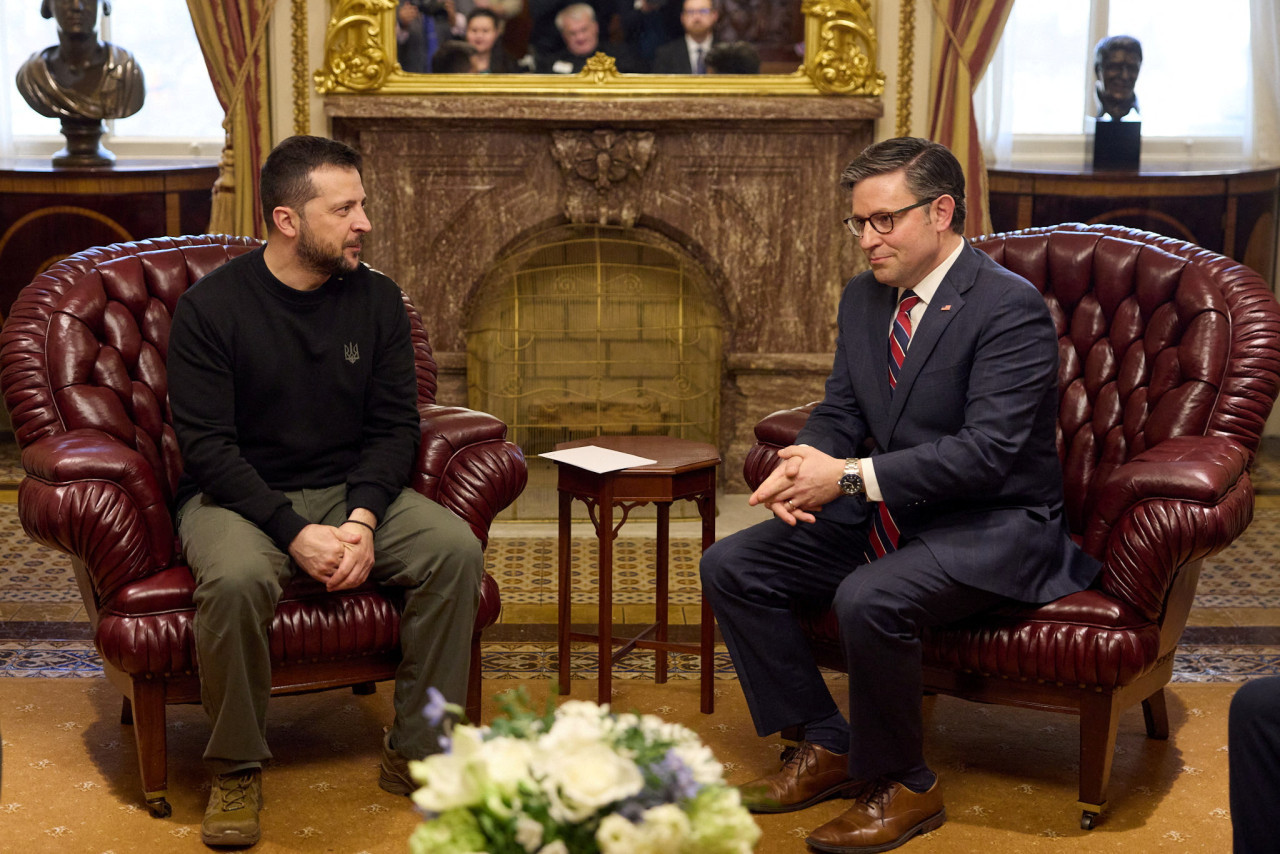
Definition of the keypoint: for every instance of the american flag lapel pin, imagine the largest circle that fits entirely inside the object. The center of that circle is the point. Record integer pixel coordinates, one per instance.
(946, 307)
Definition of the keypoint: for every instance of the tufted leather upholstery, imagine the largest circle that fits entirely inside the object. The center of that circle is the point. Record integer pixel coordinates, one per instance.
(82, 367)
(1169, 366)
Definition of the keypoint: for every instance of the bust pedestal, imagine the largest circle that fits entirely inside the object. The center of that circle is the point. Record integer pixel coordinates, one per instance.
(1114, 145)
(84, 148)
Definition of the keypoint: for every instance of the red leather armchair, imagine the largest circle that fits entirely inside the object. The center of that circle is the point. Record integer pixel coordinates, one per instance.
(82, 368)
(1170, 364)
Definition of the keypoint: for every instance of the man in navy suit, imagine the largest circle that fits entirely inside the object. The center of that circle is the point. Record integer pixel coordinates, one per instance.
(936, 452)
(688, 54)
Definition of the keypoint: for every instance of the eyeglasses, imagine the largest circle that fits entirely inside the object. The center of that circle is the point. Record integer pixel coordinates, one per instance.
(881, 222)
(696, 13)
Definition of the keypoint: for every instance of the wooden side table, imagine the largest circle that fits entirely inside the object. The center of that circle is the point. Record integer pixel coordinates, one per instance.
(683, 470)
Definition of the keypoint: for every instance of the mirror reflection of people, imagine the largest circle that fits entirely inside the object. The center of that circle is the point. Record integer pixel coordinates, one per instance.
(733, 58)
(545, 37)
(453, 57)
(688, 54)
(581, 33)
(411, 39)
(484, 29)
(1116, 63)
(81, 77)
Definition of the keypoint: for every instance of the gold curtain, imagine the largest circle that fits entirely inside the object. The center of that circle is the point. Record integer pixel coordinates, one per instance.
(965, 37)
(232, 36)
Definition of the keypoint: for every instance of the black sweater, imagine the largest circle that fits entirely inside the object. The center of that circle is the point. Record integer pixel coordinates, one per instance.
(274, 389)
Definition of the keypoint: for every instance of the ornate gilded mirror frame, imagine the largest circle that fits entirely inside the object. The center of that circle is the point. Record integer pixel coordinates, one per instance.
(839, 58)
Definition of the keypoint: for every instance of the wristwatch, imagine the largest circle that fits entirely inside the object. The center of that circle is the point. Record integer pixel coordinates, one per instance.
(851, 480)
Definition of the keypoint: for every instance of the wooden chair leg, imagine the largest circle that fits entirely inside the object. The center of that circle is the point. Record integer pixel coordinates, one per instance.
(473, 681)
(149, 735)
(1156, 716)
(364, 689)
(126, 713)
(1099, 721)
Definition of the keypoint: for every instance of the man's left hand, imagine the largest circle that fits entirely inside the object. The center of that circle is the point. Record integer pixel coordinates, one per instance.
(357, 558)
(803, 482)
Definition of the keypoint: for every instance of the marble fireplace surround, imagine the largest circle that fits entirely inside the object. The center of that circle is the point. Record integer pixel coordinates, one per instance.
(747, 186)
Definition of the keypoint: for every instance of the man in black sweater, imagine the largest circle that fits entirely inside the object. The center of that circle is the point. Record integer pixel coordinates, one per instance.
(293, 391)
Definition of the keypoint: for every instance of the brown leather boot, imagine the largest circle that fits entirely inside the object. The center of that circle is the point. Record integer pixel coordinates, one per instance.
(809, 774)
(883, 816)
(231, 818)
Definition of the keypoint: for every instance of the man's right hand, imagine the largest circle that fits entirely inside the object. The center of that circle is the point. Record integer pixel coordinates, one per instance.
(319, 550)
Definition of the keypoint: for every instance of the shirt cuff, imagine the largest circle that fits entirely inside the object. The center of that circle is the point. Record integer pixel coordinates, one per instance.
(869, 482)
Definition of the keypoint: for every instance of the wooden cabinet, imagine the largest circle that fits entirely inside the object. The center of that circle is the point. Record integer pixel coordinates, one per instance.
(47, 214)
(1232, 211)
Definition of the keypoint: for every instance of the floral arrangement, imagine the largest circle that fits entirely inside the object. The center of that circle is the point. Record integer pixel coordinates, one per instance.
(574, 780)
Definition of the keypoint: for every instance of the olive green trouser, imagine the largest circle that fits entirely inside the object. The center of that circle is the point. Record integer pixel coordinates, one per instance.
(419, 546)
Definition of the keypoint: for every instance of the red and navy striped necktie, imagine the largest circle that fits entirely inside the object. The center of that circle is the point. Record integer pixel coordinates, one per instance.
(900, 335)
(884, 533)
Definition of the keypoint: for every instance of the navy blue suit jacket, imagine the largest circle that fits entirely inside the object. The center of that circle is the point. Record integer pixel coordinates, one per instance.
(673, 58)
(965, 447)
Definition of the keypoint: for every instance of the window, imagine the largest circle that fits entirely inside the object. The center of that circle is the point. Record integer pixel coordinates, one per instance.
(181, 115)
(1193, 89)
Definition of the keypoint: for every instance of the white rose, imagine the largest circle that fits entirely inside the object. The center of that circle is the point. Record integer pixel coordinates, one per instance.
(665, 826)
(505, 762)
(582, 780)
(557, 847)
(701, 762)
(616, 835)
(448, 782)
(528, 833)
(661, 830)
(570, 731)
(582, 709)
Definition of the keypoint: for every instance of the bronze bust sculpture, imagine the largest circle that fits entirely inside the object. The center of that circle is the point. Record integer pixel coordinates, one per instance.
(81, 80)
(1116, 63)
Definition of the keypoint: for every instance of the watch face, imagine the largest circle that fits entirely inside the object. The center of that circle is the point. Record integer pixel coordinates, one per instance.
(850, 484)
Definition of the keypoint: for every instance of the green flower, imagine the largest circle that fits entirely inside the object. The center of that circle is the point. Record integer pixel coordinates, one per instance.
(453, 832)
(719, 822)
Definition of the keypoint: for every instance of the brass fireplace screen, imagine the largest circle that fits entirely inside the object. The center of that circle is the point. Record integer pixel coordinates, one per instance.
(588, 330)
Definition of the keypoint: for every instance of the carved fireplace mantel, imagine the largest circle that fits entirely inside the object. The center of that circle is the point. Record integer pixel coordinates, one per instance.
(746, 187)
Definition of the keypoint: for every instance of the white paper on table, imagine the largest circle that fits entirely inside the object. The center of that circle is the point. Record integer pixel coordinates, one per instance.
(598, 460)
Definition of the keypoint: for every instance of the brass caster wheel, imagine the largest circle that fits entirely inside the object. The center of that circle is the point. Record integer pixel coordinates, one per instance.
(159, 808)
(1087, 820)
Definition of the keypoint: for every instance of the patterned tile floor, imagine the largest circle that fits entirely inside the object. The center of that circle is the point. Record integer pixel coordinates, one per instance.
(1233, 632)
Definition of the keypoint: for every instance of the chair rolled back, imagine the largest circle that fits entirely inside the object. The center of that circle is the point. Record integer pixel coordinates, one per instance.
(1157, 338)
(85, 344)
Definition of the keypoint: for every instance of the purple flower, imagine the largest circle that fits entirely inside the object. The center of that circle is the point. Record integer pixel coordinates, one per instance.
(437, 707)
(678, 776)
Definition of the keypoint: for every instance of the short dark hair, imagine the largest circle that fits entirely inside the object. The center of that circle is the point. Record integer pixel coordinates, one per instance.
(285, 179)
(485, 13)
(1110, 43)
(733, 58)
(930, 168)
(452, 57)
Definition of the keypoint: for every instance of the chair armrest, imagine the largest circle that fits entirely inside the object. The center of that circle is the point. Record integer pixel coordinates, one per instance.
(1182, 500)
(466, 464)
(91, 496)
(773, 433)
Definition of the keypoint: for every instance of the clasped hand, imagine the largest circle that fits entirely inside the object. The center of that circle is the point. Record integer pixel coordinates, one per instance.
(800, 485)
(339, 557)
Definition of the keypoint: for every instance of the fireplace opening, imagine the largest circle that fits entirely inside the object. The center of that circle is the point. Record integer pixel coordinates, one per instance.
(585, 330)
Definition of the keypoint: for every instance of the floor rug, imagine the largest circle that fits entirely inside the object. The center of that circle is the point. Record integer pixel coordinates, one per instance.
(70, 780)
